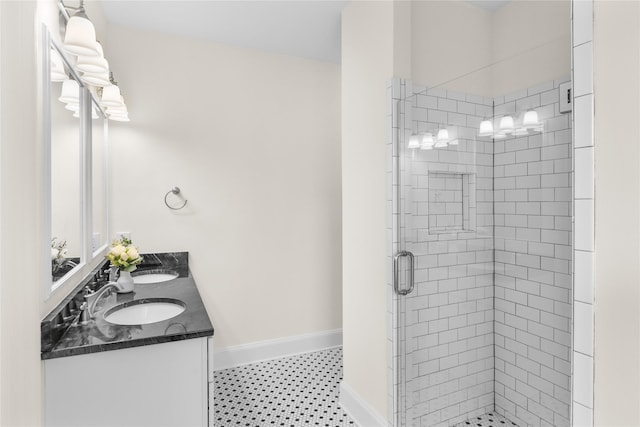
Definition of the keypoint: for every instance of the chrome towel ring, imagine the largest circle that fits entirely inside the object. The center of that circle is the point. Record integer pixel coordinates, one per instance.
(175, 191)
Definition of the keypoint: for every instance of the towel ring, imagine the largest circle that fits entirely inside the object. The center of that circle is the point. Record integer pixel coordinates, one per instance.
(176, 191)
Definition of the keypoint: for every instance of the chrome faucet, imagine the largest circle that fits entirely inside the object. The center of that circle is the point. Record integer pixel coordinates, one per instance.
(92, 298)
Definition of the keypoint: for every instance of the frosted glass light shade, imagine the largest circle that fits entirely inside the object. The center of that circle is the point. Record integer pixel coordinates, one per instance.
(70, 92)
(506, 124)
(119, 117)
(111, 96)
(443, 135)
(486, 128)
(414, 141)
(93, 64)
(454, 142)
(440, 144)
(530, 119)
(72, 106)
(427, 141)
(80, 37)
(99, 79)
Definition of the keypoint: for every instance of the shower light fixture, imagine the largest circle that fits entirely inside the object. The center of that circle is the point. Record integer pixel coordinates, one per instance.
(530, 119)
(486, 128)
(506, 124)
(414, 141)
(427, 141)
(443, 136)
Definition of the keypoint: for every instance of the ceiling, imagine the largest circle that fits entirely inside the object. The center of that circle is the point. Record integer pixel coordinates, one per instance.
(308, 29)
(304, 28)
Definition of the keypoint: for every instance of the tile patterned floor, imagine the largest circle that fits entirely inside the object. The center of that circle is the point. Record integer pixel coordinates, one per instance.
(490, 419)
(294, 391)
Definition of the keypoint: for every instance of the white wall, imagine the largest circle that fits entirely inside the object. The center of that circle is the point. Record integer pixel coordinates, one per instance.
(367, 66)
(617, 213)
(21, 240)
(252, 140)
(472, 50)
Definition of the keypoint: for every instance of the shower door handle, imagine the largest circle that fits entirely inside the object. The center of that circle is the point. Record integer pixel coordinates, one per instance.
(396, 272)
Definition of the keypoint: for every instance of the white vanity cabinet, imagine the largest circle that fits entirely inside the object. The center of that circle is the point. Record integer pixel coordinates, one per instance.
(153, 385)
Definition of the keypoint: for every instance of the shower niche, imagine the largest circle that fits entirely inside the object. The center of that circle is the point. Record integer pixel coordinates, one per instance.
(452, 202)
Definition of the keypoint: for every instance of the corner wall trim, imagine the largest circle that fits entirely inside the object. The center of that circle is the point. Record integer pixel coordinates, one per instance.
(363, 414)
(259, 351)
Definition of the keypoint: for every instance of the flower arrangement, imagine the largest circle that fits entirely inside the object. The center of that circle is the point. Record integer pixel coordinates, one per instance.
(58, 250)
(124, 255)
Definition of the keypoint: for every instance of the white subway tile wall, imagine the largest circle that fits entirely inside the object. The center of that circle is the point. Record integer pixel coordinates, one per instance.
(481, 333)
(533, 265)
(584, 245)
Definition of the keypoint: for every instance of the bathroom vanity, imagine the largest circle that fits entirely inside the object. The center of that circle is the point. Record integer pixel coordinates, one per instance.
(154, 374)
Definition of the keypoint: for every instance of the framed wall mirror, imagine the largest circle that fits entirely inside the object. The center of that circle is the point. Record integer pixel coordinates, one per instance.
(66, 158)
(76, 168)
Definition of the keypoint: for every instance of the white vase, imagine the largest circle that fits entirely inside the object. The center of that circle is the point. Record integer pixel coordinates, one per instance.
(125, 282)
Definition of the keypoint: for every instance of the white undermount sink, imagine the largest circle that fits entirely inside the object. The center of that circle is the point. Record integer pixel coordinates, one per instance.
(143, 278)
(142, 312)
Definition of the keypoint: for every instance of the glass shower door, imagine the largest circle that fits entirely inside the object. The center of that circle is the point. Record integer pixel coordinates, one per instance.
(443, 263)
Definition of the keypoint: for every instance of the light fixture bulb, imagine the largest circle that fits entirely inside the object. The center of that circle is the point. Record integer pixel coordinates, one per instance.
(530, 119)
(414, 141)
(80, 36)
(506, 124)
(70, 92)
(486, 128)
(427, 141)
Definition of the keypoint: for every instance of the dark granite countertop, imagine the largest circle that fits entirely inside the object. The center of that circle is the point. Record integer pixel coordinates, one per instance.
(99, 335)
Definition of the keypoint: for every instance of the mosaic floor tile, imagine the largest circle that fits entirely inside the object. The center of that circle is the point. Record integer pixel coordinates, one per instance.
(300, 390)
(490, 419)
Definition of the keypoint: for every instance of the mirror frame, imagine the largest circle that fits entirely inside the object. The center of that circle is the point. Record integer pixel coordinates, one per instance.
(87, 101)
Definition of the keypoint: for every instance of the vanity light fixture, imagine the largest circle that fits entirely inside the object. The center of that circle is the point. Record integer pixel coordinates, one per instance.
(80, 35)
(111, 96)
(80, 40)
(93, 64)
(100, 79)
(70, 92)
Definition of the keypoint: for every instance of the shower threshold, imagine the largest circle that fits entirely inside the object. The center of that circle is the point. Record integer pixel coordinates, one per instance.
(490, 419)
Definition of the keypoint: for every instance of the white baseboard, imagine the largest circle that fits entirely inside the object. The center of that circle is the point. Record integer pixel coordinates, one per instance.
(230, 357)
(359, 410)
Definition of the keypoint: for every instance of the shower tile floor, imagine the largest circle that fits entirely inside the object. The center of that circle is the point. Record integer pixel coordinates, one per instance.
(490, 419)
(294, 391)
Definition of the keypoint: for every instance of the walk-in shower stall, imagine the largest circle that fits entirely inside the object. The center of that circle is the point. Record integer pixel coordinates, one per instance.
(480, 201)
